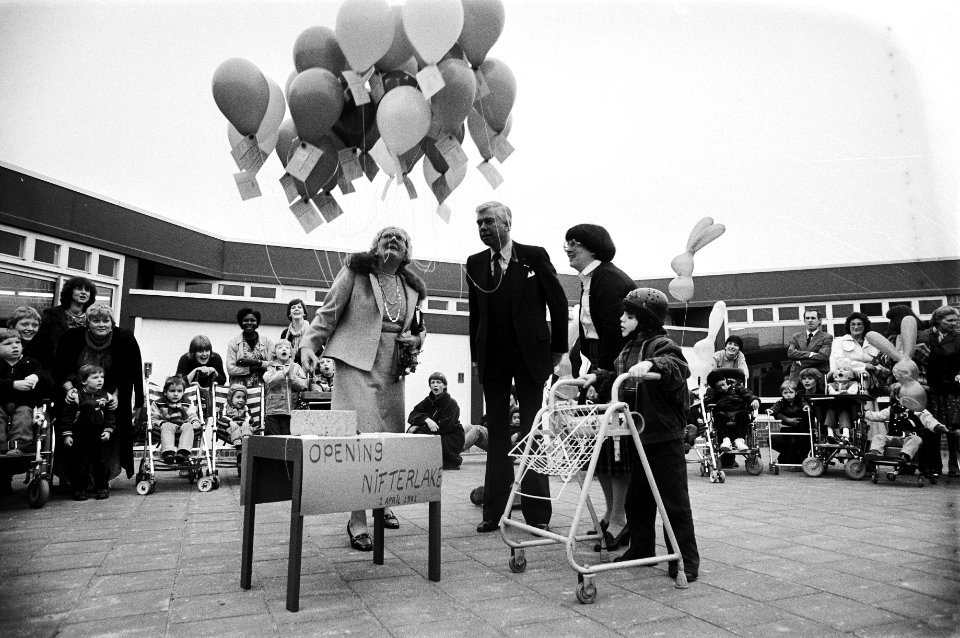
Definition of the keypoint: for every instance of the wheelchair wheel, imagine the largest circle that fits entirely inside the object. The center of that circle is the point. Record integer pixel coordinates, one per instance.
(586, 593)
(753, 465)
(143, 488)
(721, 477)
(38, 493)
(855, 469)
(205, 484)
(813, 466)
(518, 562)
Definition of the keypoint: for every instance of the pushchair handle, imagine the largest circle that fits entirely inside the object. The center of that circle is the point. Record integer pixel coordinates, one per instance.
(579, 383)
(615, 390)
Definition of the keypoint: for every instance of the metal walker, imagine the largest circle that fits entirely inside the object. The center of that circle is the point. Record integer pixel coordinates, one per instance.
(562, 441)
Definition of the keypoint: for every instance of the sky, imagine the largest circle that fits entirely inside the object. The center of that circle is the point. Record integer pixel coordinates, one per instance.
(817, 133)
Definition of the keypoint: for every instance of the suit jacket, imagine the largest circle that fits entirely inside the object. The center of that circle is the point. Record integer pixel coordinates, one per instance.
(531, 293)
(608, 286)
(820, 346)
(350, 319)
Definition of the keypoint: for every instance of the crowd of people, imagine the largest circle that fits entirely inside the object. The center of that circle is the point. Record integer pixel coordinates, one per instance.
(369, 330)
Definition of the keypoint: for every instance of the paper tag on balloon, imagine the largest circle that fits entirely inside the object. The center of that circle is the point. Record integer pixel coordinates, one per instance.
(248, 155)
(306, 214)
(349, 164)
(376, 87)
(430, 80)
(304, 159)
(370, 168)
(444, 212)
(434, 131)
(451, 151)
(384, 158)
(357, 88)
(289, 187)
(329, 208)
(491, 173)
(501, 148)
(346, 186)
(441, 190)
(247, 185)
(411, 191)
(483, 89)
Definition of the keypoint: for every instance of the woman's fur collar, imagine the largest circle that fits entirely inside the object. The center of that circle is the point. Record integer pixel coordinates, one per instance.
(367, 263)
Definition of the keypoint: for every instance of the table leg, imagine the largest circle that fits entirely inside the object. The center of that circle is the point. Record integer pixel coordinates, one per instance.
(249, 518)
(433, 553)
(378, 536)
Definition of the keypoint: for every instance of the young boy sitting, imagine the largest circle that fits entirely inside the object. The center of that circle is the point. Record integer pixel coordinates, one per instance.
(281, 378)
(86, 427)
(903, 427)
(178, 421)
(732, 404)
(22, 384)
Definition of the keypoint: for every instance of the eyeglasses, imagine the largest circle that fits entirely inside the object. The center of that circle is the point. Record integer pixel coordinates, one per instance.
(570, 244)
(399, 238)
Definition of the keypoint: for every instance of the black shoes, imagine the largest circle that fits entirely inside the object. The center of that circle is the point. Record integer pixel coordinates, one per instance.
(615, 542)
(390, 520)
(169, 457)
(103, 494)
(487, 526)
(360, 542)
(79, 496)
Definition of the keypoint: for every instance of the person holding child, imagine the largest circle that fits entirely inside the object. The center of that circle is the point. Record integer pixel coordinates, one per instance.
(792, 414)
(248, 352)
(282, 379)
(177, 420)
(86, 427)
(439, 414)
(663, 405)
(23, 384)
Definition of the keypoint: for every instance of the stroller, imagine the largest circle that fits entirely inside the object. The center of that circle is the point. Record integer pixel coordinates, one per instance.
(198, 469)
(36, 461)
(565, 442)
(708, 447)
(216, 438)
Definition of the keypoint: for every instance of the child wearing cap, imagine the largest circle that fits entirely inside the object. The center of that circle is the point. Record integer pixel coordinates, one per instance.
(234, 421)
(439, 414)
(663, 405)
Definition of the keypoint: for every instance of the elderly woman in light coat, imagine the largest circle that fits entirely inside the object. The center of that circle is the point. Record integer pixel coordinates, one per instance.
(370, 312)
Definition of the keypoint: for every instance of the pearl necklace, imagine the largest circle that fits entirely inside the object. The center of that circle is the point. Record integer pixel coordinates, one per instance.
(397, 302)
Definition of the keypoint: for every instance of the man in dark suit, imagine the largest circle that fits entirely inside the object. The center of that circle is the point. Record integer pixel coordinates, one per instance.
(810, 348)
(510, 287)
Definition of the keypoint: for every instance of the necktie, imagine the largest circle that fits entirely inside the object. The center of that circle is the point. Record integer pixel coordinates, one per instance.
(496, 268)
(809, 337)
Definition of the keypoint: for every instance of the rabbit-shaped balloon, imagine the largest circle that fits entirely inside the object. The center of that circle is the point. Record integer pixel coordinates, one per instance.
(705, 231)
(701, 366)
(912, 395)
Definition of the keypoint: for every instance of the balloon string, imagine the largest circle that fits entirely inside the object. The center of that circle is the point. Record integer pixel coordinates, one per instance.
(270, 261)
(683, 333)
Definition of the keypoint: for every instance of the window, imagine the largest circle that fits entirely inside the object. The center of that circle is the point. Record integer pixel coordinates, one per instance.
(20, 289)
(927, 306)
(319, 296)
(763, 314)
(841, 310)
(107, 266)
(872, 309)
(78, 259)
(737, 315)
(908, 304)
(436, 304)
(105, 296)
(198, 288)
(46, 252)
(791, 313)
(12, 244)
(263, 292)
(231, 290)
(463, 306)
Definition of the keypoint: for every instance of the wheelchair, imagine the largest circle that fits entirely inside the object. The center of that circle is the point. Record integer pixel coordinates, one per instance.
(831, 450)
(708, 446)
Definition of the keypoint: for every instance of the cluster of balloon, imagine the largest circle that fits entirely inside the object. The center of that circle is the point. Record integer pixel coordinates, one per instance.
(702, 362)
(386, 87)
(705, 231)
(912, 395)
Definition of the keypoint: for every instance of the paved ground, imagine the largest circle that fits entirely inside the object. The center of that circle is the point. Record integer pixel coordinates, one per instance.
(782, 555)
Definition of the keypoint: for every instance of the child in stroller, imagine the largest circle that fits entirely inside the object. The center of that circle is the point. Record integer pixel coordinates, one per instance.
(234, 420)
(732, 404)
(178, 422)
(842, 381)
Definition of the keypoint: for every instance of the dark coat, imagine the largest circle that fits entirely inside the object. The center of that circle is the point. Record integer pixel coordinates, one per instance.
(537, 289)
(18, 372)
(187, 364)
(608, 286)
(442, 409)
(124, 377)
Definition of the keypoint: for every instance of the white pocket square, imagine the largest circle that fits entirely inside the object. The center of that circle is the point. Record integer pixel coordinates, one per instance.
(531, 274)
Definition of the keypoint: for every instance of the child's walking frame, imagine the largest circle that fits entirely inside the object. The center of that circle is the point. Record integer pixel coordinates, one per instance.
(559, 445)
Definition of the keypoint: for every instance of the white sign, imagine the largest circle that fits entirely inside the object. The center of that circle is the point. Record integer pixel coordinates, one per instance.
(342, 474)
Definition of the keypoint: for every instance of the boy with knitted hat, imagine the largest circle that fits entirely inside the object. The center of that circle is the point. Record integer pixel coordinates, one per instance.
(439, 414)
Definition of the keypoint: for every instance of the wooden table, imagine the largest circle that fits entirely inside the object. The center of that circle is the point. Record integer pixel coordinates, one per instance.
(321, 475)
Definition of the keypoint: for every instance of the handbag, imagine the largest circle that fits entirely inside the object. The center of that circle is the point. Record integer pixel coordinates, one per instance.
(407, 353)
